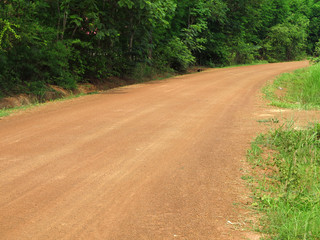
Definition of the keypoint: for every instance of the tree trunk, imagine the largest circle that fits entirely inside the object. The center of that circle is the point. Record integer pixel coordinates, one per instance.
(131, 38)
(65, 17)
(74, 31)
(58, 27)
(150, 45)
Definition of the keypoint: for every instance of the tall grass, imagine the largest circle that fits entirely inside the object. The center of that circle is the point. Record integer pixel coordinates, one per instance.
(8, 111)
(4, 112)
(300, 89)
(286, 188)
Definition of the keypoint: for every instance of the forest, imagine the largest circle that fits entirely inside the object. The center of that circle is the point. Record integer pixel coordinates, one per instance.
(66, 42)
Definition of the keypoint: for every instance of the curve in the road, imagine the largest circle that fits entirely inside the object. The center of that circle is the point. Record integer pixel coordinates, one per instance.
(153, 161)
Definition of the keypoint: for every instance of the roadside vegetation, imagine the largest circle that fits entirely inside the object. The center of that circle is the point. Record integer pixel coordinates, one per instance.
(4, 112)
(285, 182)
(285, 176)
(7, 111)
(300, 89)
(67, 42)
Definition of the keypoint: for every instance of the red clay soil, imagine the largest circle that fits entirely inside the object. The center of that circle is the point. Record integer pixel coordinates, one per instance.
(152, 161)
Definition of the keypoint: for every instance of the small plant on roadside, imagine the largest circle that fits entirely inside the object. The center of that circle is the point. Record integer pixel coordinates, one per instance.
(300, 89)
(286, 184)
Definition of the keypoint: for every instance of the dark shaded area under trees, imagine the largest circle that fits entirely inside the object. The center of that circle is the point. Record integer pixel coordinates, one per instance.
(64, 42)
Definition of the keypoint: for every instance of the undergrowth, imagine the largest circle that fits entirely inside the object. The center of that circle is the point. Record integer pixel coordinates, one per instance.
(256, 62)
(298, 90)
(4, 112)
(8, 111)
(286, 182)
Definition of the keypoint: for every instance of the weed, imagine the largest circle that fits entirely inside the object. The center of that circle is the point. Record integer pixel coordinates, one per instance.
(8, 111)
(269, 120)
(299, 90)
(287, 191)
(256, 62)
(4, 113)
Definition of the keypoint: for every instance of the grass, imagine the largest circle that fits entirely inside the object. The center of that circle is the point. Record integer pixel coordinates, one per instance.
(7, 111)
(257, 62)
(268, 120)
(297, 90)
(4, 112)
(285, 182)
(146, 75)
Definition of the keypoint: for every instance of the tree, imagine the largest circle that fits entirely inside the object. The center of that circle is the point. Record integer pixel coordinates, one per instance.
(287, 41)
(64, 42)
(7, 35)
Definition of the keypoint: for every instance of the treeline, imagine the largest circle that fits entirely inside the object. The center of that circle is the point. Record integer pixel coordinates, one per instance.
(64, 42)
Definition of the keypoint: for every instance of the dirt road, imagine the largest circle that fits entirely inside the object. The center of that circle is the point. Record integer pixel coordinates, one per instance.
(152, 161)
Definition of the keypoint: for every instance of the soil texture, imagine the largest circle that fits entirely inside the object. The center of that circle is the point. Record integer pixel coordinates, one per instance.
(160, 160)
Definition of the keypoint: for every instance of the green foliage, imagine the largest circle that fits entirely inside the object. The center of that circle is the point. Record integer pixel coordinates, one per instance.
(316, 55)
(314, 26)
(299, 89)
(7, 34)
(68, 41)
(287, 41)
(178, 55)
(288, 192)
(244, 52)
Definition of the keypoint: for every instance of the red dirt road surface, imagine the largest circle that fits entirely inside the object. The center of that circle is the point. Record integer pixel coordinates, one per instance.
(152, 161)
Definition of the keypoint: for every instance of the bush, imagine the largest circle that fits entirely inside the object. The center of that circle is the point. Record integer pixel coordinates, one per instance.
(37, 60)
(244, 52)
(287, 41)
(287, 191)
(177, 55)
(25, 65)
(143, 71)
(302, 88)
(316, 55)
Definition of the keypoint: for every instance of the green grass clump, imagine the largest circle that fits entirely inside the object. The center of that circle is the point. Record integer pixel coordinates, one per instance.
(256, 62)
(300, 89)
(286, 182)
(8, 111)
(4, 112)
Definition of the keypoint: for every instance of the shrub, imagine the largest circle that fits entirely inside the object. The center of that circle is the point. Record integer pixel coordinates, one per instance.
(287, 191)
(177, 55)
